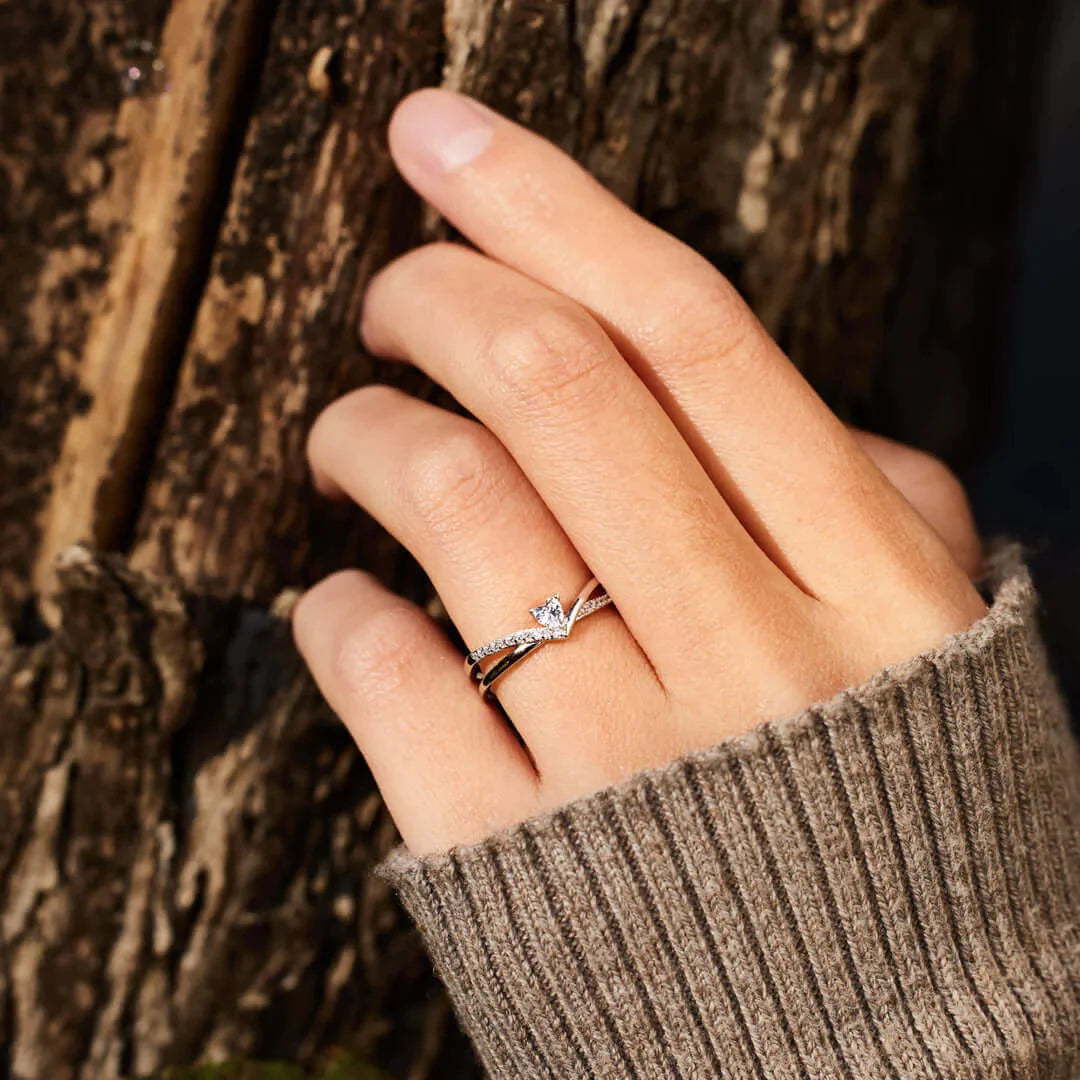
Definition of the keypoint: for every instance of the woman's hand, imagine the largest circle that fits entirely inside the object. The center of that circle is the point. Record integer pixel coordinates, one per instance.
(636, 423)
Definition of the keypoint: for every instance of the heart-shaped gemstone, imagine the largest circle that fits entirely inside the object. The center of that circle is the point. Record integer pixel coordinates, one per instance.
(550, 615)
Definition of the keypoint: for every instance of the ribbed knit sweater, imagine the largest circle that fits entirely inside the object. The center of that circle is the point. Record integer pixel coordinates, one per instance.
(886, 885)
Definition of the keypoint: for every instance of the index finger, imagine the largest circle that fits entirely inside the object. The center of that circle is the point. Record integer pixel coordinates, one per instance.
(785, 464)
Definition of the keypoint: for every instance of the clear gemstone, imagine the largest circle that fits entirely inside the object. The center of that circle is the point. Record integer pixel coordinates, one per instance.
(550, 615)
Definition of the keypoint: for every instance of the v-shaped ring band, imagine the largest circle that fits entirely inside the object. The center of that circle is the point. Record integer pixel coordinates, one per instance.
(553, 624)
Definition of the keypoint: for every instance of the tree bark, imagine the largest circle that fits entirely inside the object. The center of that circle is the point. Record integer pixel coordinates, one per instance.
(187, 833)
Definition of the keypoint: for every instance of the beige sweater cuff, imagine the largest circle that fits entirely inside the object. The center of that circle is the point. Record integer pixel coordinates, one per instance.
(883, 886)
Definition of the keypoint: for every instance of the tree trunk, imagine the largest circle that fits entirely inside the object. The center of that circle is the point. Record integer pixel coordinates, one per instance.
(193, 194)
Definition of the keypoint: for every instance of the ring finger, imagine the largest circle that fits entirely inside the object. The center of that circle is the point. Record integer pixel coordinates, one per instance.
(448, 490)
(596, 445)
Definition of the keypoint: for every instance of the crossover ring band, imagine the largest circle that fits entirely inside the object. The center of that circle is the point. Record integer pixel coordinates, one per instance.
(553, 624)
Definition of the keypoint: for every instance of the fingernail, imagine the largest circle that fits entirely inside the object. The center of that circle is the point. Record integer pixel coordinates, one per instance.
(444, 130)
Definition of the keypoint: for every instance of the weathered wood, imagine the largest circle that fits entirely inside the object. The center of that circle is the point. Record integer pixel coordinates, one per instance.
(187, 843)
(315, 209)
(114, 129)
(187, 834)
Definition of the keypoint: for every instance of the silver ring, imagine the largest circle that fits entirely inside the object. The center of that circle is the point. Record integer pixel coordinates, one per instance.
(553, 624)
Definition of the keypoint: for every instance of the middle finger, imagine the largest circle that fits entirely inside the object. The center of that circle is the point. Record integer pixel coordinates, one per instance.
(597, 446)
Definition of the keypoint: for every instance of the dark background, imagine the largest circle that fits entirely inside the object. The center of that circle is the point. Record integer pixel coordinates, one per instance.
(1028, 485)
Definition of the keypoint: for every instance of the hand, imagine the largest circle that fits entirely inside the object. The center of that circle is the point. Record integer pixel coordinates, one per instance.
(636, 423)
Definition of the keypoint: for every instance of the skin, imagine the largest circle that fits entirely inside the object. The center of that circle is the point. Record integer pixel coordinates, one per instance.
(635, 422)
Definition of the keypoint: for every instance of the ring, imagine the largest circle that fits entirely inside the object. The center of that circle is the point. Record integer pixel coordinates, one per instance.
(553, 624)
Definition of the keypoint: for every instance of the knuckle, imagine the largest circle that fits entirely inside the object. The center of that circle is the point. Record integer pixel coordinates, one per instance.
(450, 483)
(374, 656)
(551, 358)
(701, 289)
(711, 314)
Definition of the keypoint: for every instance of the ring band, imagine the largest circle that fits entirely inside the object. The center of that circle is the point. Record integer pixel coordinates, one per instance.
(553, 624)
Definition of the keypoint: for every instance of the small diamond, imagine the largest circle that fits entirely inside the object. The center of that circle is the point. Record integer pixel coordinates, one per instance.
(551, 616)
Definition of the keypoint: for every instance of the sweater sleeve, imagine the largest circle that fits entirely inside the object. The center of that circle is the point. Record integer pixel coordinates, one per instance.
(886, 885)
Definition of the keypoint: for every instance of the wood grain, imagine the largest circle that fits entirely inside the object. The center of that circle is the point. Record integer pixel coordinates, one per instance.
(138, 179)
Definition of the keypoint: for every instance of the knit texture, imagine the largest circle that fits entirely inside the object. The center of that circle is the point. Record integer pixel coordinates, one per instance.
(883, 886)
